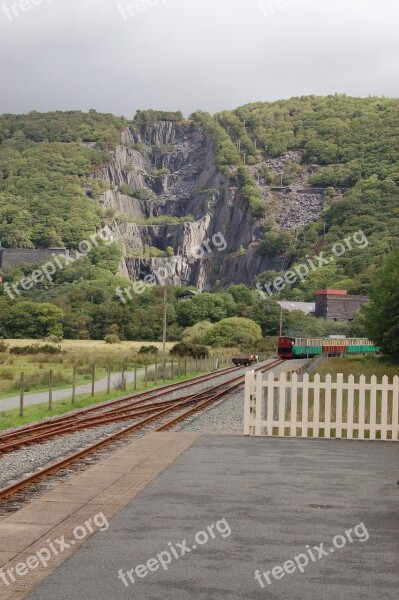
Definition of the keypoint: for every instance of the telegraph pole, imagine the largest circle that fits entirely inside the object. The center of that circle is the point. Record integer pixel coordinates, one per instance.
(165, 325)
(281, 322)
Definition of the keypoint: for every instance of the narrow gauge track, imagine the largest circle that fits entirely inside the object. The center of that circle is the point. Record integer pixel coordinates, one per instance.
(101, 414)
(201, 400)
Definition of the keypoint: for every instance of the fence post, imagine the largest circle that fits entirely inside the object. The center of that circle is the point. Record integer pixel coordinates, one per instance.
(339, 406)
(373, 407)
(249, 375)
(135, 376)
(294, 404)
(73, 384)
(305, 405)
(93, 378)
(146, 375)
(269, 409)
(259, 397)
(21, 394)
(155, 372)
(50, 390)
(395, 407)
(109, 380)
(172, 376)
(185, 365)
(123, 378)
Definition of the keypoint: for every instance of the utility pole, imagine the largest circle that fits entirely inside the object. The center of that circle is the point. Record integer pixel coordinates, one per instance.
(245, 157)
(165, 324)
(281, 322)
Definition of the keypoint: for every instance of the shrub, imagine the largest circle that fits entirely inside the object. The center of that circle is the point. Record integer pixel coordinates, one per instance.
(196, 333)
(36, 349)
(160, 172)
(7, 374)
(3, 345)
(139, 193)
(112, 338)
(243, 339)
(268, 344)
(148, 350)
(187, 349)
(54, 339)
(231, 331)
(139, 147)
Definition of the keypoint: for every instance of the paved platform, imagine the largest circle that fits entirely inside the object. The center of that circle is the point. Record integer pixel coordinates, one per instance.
(245, 504)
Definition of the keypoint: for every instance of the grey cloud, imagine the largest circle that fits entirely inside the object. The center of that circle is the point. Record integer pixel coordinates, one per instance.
(189, 54)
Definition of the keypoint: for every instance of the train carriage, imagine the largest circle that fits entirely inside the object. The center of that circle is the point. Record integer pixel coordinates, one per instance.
(333, 346)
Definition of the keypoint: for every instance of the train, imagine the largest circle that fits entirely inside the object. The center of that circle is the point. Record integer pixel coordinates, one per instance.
(289, 347)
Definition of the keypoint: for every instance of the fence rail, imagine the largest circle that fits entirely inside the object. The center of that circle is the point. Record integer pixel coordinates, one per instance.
(301, 407)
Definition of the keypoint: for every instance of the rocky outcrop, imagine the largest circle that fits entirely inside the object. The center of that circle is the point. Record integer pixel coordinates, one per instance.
(194, 212)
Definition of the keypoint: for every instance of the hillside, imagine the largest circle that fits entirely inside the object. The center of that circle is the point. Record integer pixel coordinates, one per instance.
(277, 181)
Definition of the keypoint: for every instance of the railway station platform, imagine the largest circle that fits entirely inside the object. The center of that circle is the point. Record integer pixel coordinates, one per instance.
(188, 516)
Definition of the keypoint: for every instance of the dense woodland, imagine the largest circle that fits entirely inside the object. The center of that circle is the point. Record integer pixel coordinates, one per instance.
(47, 159)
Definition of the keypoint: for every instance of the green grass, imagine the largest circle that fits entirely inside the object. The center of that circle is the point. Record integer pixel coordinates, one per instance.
(36, 376)
(358, 365)
(37, 412)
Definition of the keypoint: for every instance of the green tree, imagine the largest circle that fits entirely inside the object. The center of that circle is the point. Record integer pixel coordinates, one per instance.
(233, 331)
(212, 307)
(32, 320)
(382, 315)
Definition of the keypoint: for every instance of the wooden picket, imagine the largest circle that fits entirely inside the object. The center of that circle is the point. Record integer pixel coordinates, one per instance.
(299, 407)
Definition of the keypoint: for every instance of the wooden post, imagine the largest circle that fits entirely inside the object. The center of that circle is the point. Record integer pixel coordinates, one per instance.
(93, 379)
(155, 372)
(172, 376)
(146, 375)
(196, 365)
(179, 368)
(123, 379)
(185, 365)
(21, 394)
(135, 376)
(50, 390)
(73, 384)
(109, 380)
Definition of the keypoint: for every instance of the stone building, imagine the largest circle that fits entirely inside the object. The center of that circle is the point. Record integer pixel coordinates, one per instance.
(336, 305)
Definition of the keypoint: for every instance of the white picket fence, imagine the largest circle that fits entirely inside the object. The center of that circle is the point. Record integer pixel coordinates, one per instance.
(299, 407)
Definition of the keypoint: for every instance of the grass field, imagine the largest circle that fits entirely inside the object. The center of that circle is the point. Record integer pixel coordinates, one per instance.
(358, 365)
(81, 353)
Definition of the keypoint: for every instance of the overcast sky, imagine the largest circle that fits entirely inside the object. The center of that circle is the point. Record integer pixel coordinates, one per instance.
(190, 54)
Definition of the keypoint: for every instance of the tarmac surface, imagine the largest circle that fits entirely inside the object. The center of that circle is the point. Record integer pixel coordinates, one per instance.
(269, 501)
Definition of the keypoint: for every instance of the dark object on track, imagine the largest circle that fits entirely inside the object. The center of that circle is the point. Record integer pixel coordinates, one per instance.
(246, 361)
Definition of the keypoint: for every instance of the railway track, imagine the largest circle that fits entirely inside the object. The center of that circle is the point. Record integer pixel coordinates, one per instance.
(145, 406)
(116, 410)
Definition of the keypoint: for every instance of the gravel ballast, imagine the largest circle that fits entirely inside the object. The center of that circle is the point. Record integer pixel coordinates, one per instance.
(227, 417)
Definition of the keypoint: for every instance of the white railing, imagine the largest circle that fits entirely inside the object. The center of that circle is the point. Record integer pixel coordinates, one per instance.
(299, 407)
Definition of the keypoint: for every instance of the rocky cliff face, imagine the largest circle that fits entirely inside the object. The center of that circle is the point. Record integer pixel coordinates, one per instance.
(194, 228)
